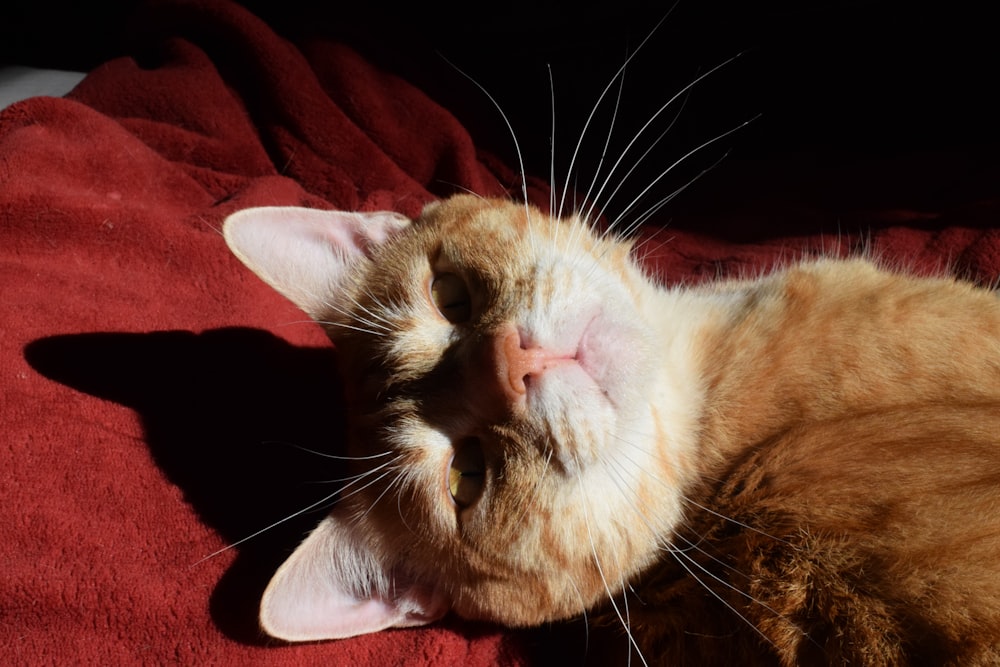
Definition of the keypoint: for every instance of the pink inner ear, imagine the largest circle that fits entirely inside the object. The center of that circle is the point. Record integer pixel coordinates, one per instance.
(318, 614)
(350, 233)
(305, 254)
(320, 591)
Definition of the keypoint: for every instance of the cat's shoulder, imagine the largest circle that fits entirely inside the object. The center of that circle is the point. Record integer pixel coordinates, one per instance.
(861, 279)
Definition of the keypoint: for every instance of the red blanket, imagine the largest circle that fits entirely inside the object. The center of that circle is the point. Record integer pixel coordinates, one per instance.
(158, 401)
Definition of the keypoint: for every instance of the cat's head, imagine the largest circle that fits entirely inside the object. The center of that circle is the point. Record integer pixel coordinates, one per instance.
(515, 462)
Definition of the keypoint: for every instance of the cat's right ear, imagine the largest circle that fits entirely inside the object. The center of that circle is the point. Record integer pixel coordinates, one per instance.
(306, 253)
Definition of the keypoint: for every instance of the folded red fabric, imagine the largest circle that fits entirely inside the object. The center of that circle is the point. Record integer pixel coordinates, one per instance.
(158, 400)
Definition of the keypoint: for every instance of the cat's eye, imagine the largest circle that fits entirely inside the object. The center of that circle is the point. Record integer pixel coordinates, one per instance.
(451, 297)
(467, 473)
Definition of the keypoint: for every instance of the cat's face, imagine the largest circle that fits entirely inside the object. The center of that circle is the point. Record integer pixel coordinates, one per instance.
(514, 464)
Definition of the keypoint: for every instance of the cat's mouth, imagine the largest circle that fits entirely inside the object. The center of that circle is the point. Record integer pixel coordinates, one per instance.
(593, 355)
(531, 365)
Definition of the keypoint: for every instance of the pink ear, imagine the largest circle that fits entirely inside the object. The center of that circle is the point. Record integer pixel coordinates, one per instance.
(305, 253)
(333, 586)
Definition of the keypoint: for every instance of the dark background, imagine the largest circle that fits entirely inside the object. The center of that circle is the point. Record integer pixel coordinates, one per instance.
(828, 82)
(885, 75)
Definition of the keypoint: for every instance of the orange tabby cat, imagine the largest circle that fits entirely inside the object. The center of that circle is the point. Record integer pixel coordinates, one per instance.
(798, 469)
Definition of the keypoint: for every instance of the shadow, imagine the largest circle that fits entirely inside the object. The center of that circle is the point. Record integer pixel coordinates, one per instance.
(227, 414)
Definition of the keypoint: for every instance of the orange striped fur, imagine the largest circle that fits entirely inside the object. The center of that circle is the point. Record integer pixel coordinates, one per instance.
(802, 468)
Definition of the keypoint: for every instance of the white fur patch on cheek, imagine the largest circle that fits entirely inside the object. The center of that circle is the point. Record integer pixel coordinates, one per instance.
(428, 453)
(415, 436)
(420, 341)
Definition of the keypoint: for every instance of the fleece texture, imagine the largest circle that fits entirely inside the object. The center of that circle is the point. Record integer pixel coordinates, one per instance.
(158, 403)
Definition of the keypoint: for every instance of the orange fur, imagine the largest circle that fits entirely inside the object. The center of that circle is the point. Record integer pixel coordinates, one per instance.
(796, 469)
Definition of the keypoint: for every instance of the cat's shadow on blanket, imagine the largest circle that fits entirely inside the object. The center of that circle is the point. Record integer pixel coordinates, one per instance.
(229, 415)
(239, 420)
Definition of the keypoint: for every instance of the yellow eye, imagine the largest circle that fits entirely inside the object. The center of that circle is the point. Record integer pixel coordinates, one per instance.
(467, 474)
(451, 297)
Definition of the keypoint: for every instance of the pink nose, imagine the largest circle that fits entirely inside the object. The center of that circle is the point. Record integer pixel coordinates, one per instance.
(514, 364)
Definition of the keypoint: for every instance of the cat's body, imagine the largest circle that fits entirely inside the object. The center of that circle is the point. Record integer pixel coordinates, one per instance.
(869, 540)
(794, 469)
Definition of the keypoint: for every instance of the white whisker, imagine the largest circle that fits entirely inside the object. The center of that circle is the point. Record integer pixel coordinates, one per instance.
(583, 606)
(461, 188)
(552, 144)
(597, 104)
(367, 474)
(669, 103)
(741, 524)
(321, 501)
(386, 490)
(342, 458)
(628, 617)
(371, 324)
(635, 165)
(680, 554)
(604, 149)
(670, 488)
(377, 320)
(643, 249)
(600, 569)
(680, 557)
(680, 160)
(343, 325)
(510, 128)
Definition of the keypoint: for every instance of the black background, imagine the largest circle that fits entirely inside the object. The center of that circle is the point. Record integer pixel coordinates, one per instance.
(828, 83)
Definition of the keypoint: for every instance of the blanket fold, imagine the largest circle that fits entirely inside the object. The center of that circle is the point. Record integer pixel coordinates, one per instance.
(160, 404)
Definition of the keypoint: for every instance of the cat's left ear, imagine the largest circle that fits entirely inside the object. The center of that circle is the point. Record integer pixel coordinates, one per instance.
(305, 254)
(329, 589)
